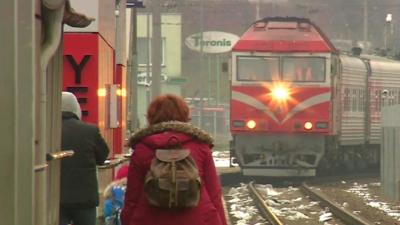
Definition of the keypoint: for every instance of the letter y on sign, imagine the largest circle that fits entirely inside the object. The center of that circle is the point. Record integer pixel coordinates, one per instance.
(78, 67)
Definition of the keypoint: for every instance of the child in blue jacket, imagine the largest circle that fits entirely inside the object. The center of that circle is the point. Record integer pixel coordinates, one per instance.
(114, 198)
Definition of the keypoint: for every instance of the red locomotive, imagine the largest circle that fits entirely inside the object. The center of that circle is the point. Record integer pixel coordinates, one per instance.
(298, 105)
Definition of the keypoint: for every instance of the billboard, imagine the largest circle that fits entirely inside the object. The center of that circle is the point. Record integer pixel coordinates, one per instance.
(211, 42)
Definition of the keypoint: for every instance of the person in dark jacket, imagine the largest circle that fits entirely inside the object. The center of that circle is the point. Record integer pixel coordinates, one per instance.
(168, 116)
(79, 188)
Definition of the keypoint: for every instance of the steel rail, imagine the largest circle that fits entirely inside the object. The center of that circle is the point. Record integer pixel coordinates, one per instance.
(263, 207)
(343, 214)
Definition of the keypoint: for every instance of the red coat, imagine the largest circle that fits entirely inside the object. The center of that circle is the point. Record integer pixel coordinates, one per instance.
(136, 209)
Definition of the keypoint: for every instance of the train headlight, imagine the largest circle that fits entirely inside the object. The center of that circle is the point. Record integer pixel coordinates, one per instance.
(308, 125)
(251, 124)
(280, 93)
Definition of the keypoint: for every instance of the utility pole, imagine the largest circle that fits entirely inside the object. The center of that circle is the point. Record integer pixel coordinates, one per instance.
(148, 60)
(132, 71)
(257, 4)
(201, 91)
(156, 50)
(365, 23)
(218, 76)
(258, 10)
(132, 64)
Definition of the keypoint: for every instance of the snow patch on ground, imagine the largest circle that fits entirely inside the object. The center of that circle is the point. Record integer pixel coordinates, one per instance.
(241, 206)
(362, 191)
(221, 158)
(286, 208)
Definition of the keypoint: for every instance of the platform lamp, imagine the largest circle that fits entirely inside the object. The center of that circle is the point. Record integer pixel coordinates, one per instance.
(388, 30)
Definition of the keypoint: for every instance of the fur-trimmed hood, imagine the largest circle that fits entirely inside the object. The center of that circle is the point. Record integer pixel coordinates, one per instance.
(174, 126)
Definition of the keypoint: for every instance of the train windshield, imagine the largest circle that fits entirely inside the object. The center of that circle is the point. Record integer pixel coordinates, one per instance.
(286, 68)
(257, 68)
(303, 69)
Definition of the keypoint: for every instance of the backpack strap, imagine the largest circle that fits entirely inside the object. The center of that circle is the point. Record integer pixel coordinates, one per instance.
(170, 155)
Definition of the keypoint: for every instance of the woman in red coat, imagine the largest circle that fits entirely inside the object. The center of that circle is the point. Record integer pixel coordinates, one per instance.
(168, 117)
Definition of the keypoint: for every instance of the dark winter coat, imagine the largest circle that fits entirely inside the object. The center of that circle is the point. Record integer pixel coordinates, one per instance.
(79, 187)
(136, 209)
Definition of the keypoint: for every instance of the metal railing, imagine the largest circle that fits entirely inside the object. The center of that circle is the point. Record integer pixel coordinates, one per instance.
(53, 156)
(108, 164)
(114, 162)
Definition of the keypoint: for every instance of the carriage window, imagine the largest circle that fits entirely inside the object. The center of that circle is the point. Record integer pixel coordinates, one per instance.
(363, 100)
(378, 100)
(398, 97)
(346, 102)
(360, 100)
(257, 68)
(354, 100)
(304, 69)
(391, 97)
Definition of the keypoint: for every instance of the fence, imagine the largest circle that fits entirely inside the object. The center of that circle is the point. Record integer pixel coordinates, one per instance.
(215, 121)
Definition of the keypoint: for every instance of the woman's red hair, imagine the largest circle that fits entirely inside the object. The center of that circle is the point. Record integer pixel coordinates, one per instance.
(167, 108)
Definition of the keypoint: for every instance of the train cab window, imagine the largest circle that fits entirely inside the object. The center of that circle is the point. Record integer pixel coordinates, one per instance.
(257, 68)
(304, 69)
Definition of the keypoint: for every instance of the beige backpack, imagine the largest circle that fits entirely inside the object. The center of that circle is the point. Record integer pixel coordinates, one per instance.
(173, 180)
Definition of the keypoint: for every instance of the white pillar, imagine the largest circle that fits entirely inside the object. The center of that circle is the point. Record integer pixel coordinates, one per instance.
(18, 71)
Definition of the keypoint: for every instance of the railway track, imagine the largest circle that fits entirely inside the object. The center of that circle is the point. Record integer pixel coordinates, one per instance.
(262, 206)
(241, 207)
(340, 214)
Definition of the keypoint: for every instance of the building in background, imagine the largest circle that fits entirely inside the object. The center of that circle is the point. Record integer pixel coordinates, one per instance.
(95, 71)
(95, 67)
(171, 36)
